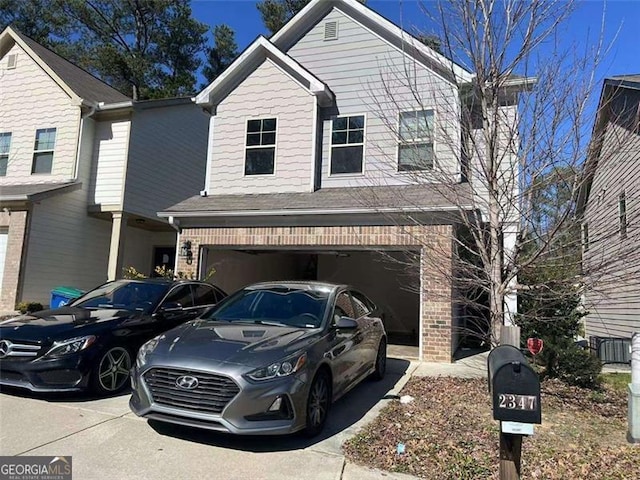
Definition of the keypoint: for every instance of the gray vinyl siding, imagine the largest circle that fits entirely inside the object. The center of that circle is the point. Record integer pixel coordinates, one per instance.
(31, 100)
(64, 245)
(362, 69)
(612, 262)
(266, 93)
(167, 158)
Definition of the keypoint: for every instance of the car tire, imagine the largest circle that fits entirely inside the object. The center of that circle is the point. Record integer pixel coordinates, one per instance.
(318, 404)
(380, 366)
(110, 374)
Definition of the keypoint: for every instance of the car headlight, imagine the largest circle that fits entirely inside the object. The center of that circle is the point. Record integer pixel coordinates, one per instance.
(280, 369)
(72, 345)
(145, 350)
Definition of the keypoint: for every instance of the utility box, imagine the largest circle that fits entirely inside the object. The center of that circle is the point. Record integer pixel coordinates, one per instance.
(514, 386)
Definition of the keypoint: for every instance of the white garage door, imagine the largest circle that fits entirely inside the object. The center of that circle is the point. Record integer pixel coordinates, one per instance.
(3, 253)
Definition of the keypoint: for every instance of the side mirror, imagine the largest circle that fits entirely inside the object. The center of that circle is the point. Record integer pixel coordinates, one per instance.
(346, 323)
(170, 307)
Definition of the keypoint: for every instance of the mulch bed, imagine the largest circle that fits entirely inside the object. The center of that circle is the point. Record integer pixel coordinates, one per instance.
(449, 433)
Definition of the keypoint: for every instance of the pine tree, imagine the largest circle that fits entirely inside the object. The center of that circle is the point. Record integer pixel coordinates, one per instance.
(223, 52)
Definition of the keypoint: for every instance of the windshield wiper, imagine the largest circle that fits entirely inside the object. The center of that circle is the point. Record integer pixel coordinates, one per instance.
(271, 323)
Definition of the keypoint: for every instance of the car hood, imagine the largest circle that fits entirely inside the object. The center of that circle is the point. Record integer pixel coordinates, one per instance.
(63, 322)
(238, 343)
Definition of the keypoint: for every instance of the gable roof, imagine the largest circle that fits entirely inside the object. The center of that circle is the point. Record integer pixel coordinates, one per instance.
(315, 10)
(248, 61)
(610, 86)
(76, 82)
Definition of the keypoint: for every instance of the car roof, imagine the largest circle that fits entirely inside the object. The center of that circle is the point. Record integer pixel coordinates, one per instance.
(301, 284)
(159, 280)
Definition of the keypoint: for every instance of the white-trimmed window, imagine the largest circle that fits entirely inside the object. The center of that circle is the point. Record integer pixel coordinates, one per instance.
(347, 144)
(260, 147)
(43, 150)
(415, 146)
(5, 145)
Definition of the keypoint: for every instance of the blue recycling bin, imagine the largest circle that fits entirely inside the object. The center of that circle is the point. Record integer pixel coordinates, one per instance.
(60, 296)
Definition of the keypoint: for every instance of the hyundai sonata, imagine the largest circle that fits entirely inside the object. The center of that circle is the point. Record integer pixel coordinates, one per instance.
(269, 359)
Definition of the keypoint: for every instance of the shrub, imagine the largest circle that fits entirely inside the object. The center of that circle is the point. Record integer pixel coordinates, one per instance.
(578, 367)
(29, 307)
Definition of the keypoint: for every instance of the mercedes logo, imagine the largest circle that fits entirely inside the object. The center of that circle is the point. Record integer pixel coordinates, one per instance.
(5, 348)
(187, 382)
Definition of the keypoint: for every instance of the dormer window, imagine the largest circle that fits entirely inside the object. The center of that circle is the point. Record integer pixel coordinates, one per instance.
(260, 147)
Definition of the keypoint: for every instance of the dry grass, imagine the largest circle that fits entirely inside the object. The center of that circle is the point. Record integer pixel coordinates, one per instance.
(449, 433)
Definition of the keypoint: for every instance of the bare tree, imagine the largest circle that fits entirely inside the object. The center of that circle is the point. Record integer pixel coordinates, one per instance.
(506, 145)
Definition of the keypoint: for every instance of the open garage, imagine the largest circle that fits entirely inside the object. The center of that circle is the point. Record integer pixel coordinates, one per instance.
(388, 277)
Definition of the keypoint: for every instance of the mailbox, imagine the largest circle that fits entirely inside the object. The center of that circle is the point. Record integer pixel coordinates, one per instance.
(514, 386)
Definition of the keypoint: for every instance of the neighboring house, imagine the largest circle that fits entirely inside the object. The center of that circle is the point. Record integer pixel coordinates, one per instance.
(83, 171)
(609, 210)
(306, 178)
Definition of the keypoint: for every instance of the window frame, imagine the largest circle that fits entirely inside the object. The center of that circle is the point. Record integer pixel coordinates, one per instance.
(370, 306)
(7, 154)
(35, 151)
(363, 143)
(416, 141)
(585, 237)
(255, 147)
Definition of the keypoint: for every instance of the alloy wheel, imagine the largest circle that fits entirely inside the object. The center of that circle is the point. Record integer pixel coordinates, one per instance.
(114, 369)
(318, 402)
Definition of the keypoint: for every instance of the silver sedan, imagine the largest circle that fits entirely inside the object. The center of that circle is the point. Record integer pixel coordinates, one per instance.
(270, 359)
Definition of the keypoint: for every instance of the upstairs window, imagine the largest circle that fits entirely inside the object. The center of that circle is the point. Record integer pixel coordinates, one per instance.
(5, 145)
(261, 147)
(43, 150)
(622, 214)
(415, 147)
(347, 144)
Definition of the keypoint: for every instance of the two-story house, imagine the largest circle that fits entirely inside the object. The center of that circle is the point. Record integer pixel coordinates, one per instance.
(323, 143)
(608, 208)
(83, 171)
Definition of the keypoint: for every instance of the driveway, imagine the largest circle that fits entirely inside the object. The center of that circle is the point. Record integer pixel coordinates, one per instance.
(107, 441)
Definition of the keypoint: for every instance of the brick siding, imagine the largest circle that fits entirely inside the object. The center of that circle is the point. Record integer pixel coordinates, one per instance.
(17, 223)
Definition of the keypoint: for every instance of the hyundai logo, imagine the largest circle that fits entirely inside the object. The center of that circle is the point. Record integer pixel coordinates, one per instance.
(187, 382)
(5, 348)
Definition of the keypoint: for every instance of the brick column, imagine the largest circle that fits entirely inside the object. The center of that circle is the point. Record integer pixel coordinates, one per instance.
(436, 298)
(17, 223)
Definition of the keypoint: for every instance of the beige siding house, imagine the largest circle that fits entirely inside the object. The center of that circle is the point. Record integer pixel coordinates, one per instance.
(83, 169)
(308, 178)
(610, 210)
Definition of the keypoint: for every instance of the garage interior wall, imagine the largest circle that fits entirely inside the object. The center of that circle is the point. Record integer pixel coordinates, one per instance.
(385, 278)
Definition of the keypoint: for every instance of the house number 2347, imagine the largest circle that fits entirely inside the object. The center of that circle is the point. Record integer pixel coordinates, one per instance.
(511, 401)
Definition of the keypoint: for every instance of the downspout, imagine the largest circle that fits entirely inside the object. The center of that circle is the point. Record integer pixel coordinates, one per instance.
(176, 225)
(90, 113)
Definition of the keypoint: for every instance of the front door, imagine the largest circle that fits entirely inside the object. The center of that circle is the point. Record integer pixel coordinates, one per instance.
(163, 257)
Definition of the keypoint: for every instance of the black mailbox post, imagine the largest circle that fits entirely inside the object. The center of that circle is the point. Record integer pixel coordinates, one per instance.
(515, 391)
(514, 386)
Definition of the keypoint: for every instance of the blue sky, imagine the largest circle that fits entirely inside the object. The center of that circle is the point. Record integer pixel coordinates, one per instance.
(621, 25)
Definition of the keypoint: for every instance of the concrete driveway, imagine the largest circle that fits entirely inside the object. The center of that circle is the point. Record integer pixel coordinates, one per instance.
(107, 441)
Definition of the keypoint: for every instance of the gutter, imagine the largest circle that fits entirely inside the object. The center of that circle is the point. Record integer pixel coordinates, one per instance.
(346, 211)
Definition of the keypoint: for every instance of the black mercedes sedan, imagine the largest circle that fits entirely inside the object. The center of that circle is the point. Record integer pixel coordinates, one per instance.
(90, 344)
(268, 360)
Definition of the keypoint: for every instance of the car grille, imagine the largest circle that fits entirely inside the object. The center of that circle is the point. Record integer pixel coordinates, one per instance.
(18, 350)
(212, 394)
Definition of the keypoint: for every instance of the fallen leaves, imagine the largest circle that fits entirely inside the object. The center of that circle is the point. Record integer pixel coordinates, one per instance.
(448, 432)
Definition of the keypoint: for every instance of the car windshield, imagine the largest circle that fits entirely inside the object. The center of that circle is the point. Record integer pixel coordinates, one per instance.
(287, 306)
(123, 295)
